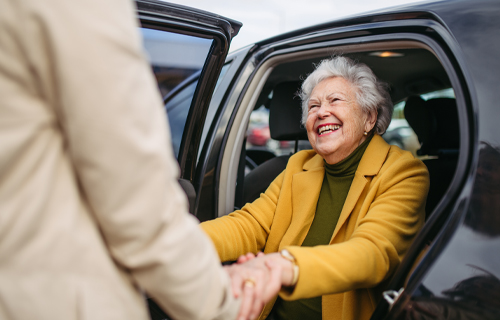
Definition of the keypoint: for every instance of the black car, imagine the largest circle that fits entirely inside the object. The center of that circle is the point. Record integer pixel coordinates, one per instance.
(441, 61)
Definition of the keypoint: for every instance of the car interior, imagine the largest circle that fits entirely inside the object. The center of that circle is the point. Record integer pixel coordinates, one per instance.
(420, 90)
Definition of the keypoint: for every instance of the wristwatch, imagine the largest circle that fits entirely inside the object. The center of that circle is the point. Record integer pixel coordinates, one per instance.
(295, 274)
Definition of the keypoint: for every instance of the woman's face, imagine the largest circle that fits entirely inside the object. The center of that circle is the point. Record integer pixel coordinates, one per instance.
(335, 122)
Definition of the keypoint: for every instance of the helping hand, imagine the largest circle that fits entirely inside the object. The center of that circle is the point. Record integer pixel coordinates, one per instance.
(258, 279)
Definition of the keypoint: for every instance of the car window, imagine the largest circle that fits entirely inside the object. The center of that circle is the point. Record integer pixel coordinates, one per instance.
(176, 59)
(259, 141)
(177, 108)
(212, 110)
(399, 132)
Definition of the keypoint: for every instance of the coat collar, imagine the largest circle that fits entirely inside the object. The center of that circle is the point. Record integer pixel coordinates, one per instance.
(374, 157)
(306, 187)
(370, 165)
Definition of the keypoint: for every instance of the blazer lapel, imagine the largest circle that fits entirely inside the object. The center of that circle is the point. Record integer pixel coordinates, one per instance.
(370, 164)
(306, 187)
(357, 187)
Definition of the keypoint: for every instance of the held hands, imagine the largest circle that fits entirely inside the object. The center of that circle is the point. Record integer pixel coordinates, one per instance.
(257, 279)
(286, 276)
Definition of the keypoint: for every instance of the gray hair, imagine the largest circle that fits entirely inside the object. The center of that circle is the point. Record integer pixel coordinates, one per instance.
(371, 93)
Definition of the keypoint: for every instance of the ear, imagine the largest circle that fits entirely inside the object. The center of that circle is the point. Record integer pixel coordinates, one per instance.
(371, 119)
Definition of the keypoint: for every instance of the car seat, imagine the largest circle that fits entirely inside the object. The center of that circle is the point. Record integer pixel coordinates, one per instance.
(435, 123)
(285, 113)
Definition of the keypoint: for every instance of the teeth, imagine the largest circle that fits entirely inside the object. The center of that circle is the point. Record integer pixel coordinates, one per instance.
(328, 128)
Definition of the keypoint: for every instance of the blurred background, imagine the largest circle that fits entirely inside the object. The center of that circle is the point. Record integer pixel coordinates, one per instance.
(266, 18)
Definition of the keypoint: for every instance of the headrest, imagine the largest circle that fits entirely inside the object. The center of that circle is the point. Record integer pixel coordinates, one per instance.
(435, 122)
(285, 113)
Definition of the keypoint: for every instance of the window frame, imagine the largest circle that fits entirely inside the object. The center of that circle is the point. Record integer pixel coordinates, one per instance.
(430, 34)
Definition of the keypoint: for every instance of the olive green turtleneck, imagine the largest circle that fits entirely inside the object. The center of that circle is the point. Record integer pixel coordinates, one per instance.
(336, 185)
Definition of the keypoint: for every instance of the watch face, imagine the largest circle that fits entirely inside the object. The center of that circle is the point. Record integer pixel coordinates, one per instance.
(295, 273)
(287, 255)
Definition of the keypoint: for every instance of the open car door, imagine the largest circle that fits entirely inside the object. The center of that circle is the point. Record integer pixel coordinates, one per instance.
(186, 48)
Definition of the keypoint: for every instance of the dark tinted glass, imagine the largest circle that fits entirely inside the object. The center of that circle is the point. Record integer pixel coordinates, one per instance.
(175, 58)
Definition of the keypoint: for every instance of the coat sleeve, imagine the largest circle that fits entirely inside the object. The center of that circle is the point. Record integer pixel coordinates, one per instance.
(245, 230)
(116, 135)
(380, 240)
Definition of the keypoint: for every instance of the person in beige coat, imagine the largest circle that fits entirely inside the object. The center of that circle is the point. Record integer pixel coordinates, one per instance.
(91, 214)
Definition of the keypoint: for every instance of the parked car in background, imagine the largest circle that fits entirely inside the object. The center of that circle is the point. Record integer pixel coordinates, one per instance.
(259, 135)
(452, 270)
(258, 132)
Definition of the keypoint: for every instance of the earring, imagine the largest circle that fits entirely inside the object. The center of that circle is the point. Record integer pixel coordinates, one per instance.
(366, 133)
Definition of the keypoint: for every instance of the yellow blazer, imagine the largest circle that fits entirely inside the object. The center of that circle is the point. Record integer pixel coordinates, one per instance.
(382, 214)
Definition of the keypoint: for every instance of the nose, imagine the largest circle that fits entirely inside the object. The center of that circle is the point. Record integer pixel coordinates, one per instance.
(323, 111)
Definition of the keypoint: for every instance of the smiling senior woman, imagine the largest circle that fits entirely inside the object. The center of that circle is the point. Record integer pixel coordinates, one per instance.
(339, 218)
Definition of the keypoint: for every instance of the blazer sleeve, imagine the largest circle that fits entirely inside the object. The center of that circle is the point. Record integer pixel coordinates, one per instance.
(91, 67)
(245, 230)
(378, 243)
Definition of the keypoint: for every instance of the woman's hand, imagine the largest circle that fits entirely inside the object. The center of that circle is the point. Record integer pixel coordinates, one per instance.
(258, 279)
(261, 260)
(248, 256)
(257, 284)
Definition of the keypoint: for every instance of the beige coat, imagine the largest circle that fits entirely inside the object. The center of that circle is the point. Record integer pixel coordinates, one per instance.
(90, 208)
(382, 214)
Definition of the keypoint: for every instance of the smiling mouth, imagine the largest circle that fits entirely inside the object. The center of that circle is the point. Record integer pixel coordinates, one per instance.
(328, 128)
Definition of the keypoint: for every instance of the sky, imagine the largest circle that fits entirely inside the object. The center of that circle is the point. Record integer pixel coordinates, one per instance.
(266, 18)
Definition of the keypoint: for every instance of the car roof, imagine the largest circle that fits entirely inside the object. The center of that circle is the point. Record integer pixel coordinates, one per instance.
(424, 9)
(418, 72)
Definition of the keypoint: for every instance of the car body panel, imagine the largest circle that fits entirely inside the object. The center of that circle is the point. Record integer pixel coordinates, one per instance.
(466, 252)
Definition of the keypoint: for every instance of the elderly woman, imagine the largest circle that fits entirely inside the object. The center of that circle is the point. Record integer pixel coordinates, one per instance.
(339, 218)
